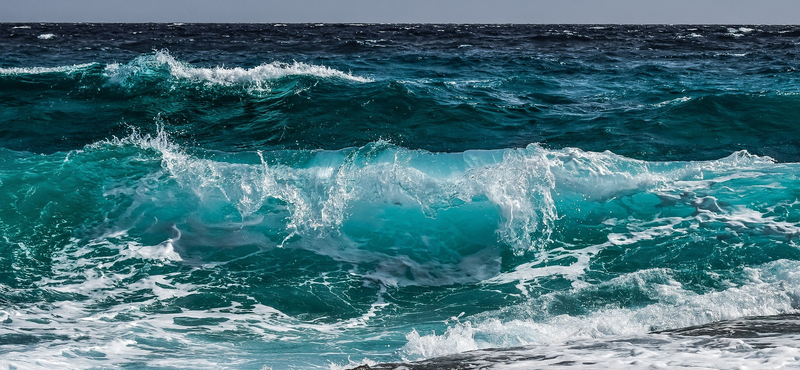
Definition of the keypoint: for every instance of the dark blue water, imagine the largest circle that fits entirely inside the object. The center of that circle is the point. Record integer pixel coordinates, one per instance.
(316, 196)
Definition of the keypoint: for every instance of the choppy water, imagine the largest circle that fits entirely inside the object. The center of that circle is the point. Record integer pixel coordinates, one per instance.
(325, 196)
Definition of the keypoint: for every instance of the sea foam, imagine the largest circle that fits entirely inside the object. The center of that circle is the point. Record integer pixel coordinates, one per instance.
(771, 290)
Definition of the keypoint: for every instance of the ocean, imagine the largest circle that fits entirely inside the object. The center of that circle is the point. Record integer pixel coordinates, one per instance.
(399, 196)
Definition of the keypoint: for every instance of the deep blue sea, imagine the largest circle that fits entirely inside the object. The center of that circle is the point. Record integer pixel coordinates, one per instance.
(399, 196)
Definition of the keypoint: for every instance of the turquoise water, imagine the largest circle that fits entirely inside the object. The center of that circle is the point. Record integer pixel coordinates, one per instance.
(323, 196)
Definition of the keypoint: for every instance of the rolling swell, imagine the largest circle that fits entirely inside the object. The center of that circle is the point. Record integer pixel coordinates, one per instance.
(296, 105)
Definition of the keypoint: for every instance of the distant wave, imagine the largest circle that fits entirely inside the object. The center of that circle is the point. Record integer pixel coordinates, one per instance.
(161, 63)
(16, 71)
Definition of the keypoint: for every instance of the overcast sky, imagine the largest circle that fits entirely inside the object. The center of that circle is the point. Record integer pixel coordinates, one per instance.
(405, 11)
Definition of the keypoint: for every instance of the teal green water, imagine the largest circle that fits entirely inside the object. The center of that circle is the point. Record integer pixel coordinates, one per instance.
(312, 205)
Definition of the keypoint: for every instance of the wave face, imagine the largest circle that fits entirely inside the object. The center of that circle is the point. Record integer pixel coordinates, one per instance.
(329, 196)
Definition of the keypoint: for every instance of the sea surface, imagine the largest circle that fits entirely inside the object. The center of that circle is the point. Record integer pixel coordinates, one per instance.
(326, 196)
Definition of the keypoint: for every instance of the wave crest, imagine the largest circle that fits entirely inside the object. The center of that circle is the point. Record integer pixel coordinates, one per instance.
(163, 62)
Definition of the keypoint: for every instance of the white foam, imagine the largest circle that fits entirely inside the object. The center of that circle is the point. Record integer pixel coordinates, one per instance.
(738, 32)
(692, 35)
(638, 232)
(352, 364)
(94, 338)
(673, 101)
(771, 291)
(255, 78)
(46, 36)
(164, 251)
(43, 70)
(547, 264)
(331, 188)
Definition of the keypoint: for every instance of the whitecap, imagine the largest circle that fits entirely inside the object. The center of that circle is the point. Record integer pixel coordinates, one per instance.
(683, 99)
(43, 70)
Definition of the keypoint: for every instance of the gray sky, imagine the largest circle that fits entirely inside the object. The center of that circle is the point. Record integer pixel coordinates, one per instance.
(405, 11)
